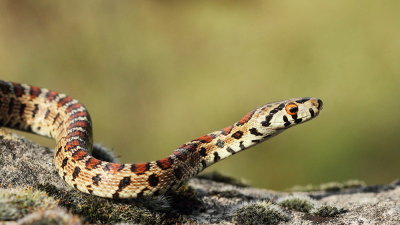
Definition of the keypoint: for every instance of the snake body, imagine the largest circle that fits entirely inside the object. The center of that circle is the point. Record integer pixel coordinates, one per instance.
(58, 116)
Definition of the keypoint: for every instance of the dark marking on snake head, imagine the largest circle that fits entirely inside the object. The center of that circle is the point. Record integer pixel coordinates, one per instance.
(277, 109)
(301, 101)
(76, 172)
(255, 132)
(220, 143)
(216, 157)
(296, 120)
(64, 162)
(238, 134)
(123, 183)
(312, 113)
(153, 180)
(286, 120)
(75, 186)
(267, 121)
(203, 151)
(96, 179)
(320, 104)
(178, 173)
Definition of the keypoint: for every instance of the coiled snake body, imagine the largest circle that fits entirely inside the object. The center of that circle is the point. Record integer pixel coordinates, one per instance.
(52, 114)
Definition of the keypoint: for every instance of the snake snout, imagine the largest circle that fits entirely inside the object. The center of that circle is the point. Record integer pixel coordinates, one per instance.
(317, 103)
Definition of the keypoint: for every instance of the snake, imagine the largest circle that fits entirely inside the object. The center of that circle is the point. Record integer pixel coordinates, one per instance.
(67, 121)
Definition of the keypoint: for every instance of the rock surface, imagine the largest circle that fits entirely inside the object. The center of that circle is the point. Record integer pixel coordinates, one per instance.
(32, 192)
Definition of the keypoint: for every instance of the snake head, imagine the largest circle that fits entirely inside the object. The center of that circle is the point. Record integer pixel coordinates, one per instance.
(284, 114)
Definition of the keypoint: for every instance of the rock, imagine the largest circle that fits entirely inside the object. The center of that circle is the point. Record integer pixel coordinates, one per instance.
(31, 192)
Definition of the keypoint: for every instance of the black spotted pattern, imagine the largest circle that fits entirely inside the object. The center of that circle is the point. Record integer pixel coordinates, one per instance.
(178, 173)
(76, 172)
(238, 134)
(216, 157)
(220, 143)
(255, 132)
(123, 183)
(64, 162)
(286, 120)
(230, 150)
(153, 180)
(96, 179)
(203, 151)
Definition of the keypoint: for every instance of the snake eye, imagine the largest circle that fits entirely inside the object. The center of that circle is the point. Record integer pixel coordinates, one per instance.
(291, 109)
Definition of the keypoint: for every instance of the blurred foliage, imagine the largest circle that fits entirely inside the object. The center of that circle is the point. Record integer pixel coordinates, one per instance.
(155, 74)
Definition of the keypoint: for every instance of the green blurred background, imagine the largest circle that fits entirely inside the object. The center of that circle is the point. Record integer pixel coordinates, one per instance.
(155, 74)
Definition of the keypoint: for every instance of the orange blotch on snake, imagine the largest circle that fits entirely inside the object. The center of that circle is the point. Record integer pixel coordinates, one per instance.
(140, 168)
(165, 163)
(34, 92)
(64, 101)
(72, 144)
(227, 130)
(78, 155)
(205, 139)
(92, 163)
(246, 118)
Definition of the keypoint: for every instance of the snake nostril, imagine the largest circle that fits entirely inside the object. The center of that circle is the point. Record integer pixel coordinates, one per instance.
(320, 104)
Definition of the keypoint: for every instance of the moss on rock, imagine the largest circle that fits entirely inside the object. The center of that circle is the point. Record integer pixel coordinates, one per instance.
(328, 211)
(16, 203)
(259, 213)
(298, 203)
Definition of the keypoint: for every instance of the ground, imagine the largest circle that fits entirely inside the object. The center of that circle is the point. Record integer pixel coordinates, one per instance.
(31, 192)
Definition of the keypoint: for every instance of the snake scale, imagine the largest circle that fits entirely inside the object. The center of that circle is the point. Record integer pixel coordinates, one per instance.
(58, 116)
